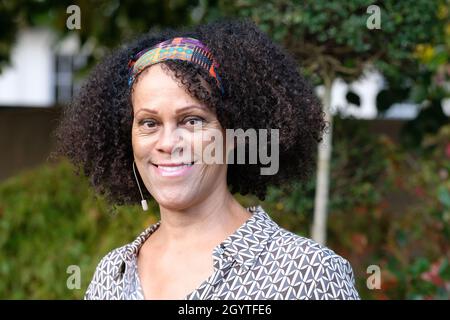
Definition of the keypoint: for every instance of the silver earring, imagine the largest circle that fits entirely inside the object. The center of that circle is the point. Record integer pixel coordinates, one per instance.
(143, 201)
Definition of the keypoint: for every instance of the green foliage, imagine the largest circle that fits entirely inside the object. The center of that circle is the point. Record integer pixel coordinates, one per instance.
(50, 219)
(426, 83)
(104, 23)
(427, 88)
(7, 36)
(331, 39)
(356, 176)
(405, 229)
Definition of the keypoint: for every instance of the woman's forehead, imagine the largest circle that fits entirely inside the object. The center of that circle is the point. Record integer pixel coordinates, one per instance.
(156, 87)
(155, 79)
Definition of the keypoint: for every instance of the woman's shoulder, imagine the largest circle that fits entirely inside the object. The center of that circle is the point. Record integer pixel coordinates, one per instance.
(291, 243)
(113, 259)
(107, 275)
(316, 271)
(285, 242)
(107, 282)
(318, 265)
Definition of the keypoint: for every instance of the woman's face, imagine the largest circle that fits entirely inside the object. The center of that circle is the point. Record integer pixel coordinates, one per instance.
(171, 128)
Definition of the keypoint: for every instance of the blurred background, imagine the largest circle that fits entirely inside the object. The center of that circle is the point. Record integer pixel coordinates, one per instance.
(381, 67)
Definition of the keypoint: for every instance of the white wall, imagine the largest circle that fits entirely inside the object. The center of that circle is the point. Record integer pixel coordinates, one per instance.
(367, 88)
(28, 81)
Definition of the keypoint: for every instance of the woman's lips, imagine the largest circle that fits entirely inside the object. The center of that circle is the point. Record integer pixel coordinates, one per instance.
(173, 170)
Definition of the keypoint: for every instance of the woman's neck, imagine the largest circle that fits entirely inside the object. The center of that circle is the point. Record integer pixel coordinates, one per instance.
(205, 224)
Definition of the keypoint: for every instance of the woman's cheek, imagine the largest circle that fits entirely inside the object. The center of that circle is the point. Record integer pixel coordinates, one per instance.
(142, 145)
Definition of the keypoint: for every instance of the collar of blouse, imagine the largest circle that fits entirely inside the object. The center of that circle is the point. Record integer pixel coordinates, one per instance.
(242, 247)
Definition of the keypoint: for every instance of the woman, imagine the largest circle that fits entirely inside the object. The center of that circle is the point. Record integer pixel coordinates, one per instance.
(140, 128)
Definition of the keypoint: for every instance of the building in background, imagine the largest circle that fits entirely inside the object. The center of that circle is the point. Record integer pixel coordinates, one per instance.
(41, 73)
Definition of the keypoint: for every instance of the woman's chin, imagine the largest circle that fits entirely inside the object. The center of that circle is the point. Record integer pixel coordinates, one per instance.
(174, 201)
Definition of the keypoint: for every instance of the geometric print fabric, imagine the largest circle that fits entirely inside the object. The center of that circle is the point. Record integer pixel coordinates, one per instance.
(259, 261)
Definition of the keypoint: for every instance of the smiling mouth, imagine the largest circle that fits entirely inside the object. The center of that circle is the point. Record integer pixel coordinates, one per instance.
(173, 168)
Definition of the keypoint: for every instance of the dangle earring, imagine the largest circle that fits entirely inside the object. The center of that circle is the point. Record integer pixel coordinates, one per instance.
(143, 201)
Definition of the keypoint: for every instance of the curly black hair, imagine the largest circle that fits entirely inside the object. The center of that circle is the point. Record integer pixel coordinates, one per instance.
(263, 90)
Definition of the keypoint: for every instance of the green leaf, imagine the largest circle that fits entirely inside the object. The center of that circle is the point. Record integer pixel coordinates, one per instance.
(444, 195)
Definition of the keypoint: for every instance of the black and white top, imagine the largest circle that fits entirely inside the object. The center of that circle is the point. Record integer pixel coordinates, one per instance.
(260, 260)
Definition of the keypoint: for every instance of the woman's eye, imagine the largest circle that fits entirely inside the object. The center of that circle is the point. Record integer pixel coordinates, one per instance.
(148, 123)
(192, 121)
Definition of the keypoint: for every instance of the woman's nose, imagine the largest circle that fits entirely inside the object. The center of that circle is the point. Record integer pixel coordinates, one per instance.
(169, 140)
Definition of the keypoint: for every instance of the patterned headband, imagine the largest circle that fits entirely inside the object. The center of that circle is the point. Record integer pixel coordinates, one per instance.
(186, 49)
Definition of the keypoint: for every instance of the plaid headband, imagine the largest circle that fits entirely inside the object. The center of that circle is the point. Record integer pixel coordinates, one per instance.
(186, 49)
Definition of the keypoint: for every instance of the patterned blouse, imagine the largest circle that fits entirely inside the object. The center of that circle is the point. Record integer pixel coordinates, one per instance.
(260, 260)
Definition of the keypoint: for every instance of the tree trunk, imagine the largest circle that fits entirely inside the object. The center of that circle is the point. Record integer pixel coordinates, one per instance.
(319, 228)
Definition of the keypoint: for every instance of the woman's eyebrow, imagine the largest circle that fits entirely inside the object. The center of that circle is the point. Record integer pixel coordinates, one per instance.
(147, 110)
(190, 107)
(180, 110)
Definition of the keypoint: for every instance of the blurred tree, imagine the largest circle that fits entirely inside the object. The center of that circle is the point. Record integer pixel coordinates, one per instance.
(51, 219)
(333, 39)
(104, 23)
(427, 84)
